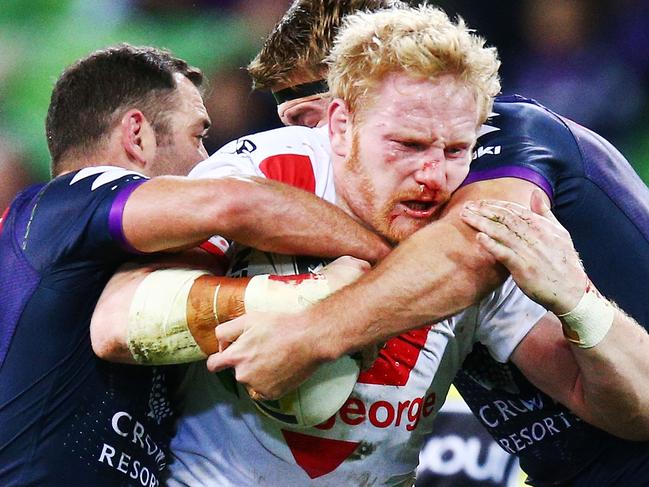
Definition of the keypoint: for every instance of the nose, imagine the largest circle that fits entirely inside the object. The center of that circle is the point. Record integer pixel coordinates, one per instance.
(432, 172)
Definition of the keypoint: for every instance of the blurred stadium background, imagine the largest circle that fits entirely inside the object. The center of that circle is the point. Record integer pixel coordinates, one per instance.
(586, 59)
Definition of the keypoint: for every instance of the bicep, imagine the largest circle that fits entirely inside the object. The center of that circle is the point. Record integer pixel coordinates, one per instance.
(170, 212)
(507, 189)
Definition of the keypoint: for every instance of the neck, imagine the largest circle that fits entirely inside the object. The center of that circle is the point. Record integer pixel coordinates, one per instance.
(76, 163)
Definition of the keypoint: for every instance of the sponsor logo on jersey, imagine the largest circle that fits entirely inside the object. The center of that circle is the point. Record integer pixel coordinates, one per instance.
(245, 146)
(126, 426)
(469, 460)
(318, 456)
(491, 150)
(383, 414)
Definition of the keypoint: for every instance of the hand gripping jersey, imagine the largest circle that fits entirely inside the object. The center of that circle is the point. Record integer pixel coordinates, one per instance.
(66, 417)
(376, 436)
(604, 205)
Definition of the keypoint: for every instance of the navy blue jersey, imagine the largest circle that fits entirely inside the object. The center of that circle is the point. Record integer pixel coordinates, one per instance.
(603, 203)
(68, 418)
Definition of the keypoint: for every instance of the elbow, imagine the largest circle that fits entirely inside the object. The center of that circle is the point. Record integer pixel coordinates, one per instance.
(109, 345)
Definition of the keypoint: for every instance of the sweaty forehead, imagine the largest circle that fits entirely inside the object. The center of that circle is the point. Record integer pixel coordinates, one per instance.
(403, 101)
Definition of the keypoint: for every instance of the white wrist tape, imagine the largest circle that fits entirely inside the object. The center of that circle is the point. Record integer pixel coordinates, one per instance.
(285, 294)
(158, 333)
(587, 324)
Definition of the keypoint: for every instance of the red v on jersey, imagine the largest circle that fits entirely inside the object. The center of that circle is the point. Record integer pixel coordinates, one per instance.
(318, 456)
(397, 359)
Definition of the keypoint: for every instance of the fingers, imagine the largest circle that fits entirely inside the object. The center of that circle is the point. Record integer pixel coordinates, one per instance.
(220, 361)
(503, 254)
(506, 225)
(539, 206)
(343, 271)
(228, 332)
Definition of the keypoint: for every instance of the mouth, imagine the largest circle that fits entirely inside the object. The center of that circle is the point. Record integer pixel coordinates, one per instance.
(416, 208)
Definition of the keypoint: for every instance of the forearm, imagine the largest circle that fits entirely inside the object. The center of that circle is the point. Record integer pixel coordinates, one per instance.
(155, 316)
(604, 384)
(171, 213)
(435, 273)
(612, 379)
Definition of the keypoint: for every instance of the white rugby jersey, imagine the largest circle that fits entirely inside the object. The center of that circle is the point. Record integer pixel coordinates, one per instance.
(376, 436)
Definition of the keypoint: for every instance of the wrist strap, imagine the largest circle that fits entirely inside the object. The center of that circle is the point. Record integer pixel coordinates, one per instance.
(587, 324)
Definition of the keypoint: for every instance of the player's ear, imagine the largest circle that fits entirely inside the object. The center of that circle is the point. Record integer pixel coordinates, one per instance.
(137, 137)
(340, 127)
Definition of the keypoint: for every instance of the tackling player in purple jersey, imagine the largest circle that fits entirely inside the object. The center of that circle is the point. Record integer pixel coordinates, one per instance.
(601, 201)
(67, 417)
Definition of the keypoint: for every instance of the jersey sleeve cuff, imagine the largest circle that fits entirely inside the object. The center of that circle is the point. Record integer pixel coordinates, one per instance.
(519, 172)
(116, 214)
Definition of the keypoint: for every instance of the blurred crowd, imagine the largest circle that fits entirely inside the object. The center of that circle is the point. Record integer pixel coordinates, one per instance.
(586, 59)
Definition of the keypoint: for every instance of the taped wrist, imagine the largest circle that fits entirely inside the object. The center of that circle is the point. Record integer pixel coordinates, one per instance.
(587, 324)
(174, 311)
(286, 294)
(158, 331)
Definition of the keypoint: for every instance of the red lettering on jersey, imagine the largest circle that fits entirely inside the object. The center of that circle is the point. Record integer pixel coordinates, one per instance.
(396, 359)
(352, 412)
(385, 417)
(293, 169)
(318, 456)
(382, 413)
(2, 218)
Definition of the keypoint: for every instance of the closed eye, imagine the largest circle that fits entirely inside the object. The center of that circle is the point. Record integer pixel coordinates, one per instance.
(411, 145)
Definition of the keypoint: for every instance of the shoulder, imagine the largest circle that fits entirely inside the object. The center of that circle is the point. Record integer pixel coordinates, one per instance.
(522, 137)
(280, 140)
(518, 117)
(77, 212)
(93, 181)
(248, 154)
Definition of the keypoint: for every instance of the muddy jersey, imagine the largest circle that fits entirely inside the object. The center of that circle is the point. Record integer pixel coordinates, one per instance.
(376, 436)
(603, 203)
(66, 417)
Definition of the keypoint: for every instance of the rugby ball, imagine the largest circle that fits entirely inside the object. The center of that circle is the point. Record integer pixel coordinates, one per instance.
(322, 394)
(318, 398)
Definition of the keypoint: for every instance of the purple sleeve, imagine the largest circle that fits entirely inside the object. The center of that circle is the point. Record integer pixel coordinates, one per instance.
(518, 172)
(116, 214)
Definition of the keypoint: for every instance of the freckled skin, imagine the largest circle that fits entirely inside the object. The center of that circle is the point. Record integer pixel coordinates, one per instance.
(410, 149)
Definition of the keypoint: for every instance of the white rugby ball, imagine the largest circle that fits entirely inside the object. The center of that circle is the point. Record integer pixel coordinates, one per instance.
(322, 394)
(318, 398)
